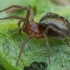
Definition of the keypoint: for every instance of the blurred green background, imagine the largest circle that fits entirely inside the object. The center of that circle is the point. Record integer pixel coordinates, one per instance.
(10, 41)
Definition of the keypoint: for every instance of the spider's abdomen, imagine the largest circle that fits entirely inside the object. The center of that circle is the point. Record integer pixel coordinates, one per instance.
(58, 22)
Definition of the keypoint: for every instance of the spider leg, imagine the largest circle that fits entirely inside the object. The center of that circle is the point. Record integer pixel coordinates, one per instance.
(19, 22)
(20, 7)
(45, 36)
(22, 48)
(31, 14)
(17, 17)
(48, 47)
(23, 20)
(58, 31)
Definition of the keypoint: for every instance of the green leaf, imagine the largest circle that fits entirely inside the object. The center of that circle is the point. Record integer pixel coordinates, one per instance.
(2, 68)
(35, 49)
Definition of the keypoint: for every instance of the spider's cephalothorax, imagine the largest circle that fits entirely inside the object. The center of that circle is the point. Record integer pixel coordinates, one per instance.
(50, 25)
(32, 29)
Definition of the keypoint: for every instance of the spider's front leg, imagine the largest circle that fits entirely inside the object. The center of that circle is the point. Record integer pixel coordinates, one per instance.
(16, 17)
(20, 7)
(30, 12)
(22, 48)
(29, 15)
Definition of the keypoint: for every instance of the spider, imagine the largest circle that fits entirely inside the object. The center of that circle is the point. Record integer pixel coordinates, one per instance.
(50, 25)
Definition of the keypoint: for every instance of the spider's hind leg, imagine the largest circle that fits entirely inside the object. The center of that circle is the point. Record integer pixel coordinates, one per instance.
(57, 31)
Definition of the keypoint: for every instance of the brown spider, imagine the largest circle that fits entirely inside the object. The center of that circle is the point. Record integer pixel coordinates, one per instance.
(50, 25)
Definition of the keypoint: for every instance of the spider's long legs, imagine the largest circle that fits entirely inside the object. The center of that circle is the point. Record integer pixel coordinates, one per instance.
(13, 6)
(22, 48)
(45, 36)
(22, 20)
(17, 17)
(20, 7)
(31, 14)
(48, 47)
(59, 32)
(19, 22)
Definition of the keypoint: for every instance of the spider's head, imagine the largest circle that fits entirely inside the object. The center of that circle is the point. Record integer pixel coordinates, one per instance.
(31, 28)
